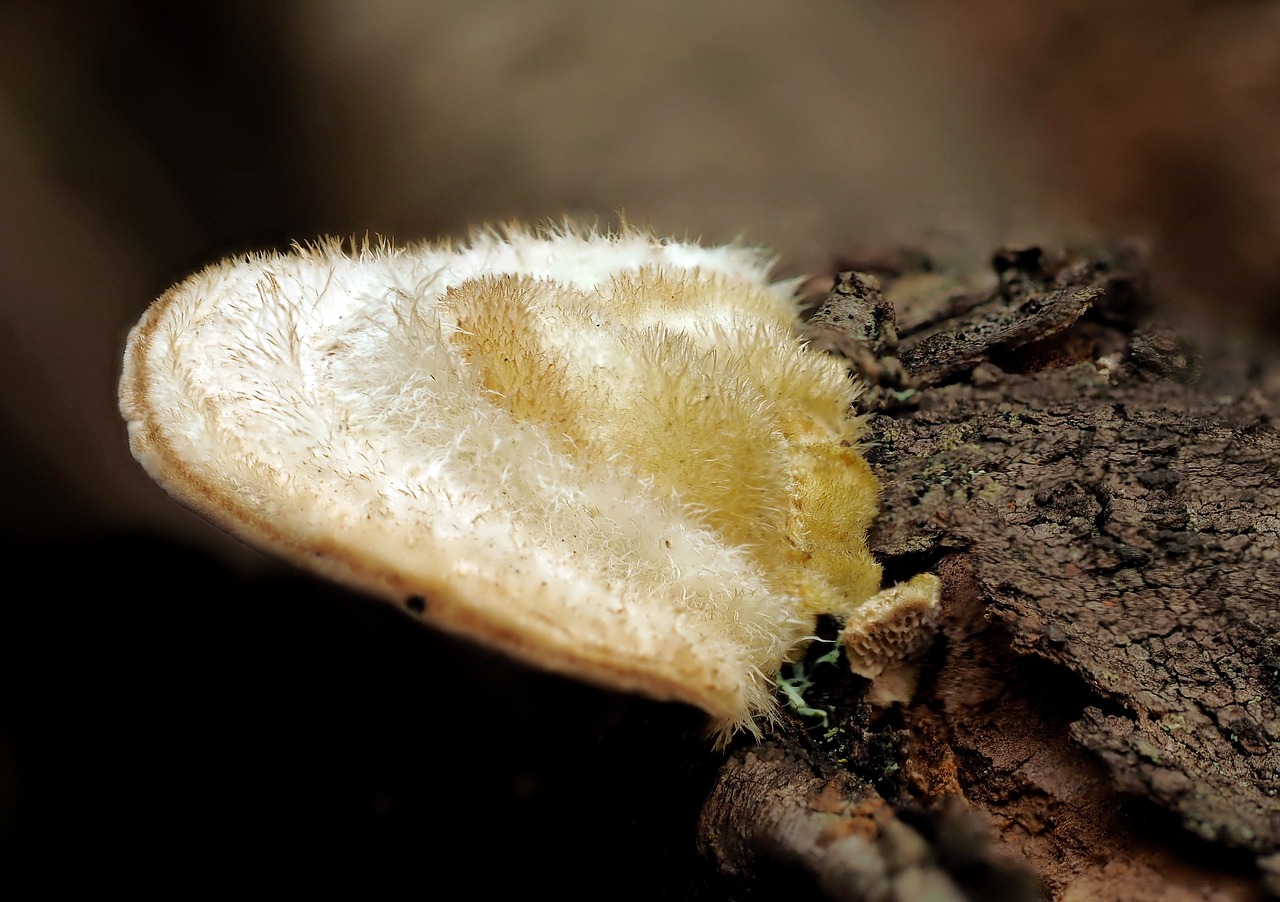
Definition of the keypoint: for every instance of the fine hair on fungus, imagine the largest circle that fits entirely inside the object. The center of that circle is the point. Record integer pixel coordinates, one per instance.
(608, 455)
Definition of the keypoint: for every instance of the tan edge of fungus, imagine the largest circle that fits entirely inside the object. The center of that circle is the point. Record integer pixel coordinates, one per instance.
(607, 455)
(891, 630)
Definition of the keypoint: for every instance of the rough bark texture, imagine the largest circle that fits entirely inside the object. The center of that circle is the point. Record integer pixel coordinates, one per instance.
(1102, 507)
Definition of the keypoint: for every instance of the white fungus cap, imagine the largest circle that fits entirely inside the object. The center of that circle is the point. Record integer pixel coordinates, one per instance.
(608, 455)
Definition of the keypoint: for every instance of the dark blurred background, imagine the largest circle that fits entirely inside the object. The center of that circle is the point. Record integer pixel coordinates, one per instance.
(142, 140)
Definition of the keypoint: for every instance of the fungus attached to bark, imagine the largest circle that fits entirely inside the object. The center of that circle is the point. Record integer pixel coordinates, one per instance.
(607, 455)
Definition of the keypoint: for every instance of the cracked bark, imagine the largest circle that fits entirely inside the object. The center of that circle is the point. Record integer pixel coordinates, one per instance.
(1103, 509)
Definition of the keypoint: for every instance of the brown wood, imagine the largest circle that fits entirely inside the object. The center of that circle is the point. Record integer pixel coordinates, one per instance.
(1104, 509)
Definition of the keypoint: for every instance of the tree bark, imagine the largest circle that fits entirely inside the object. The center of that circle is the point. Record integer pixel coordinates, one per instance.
(1102, 506)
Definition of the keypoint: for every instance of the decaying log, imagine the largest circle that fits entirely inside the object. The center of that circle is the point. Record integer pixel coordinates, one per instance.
(1104, 509)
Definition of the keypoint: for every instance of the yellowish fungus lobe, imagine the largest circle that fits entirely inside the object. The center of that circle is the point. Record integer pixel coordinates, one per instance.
(608, 455)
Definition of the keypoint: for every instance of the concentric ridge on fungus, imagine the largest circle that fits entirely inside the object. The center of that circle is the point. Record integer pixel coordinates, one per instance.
(608, 455)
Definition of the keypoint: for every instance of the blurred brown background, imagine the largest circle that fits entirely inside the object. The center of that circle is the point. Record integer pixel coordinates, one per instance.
(141, 140)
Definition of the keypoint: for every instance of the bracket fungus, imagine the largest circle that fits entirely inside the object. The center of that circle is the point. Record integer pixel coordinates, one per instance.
(607, 455)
